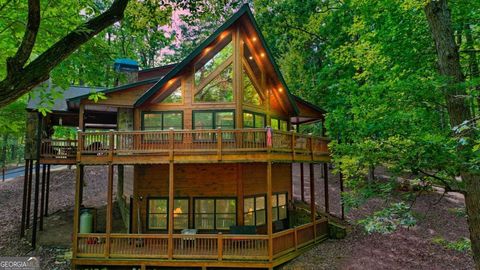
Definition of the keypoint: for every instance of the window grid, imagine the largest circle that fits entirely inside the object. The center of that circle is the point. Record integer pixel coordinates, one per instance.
(162, 216)
(214, 220)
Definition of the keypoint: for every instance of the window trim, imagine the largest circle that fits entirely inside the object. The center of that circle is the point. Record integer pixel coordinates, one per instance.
(214, 211)
(264, 195)
(168, 214)
(256, 85)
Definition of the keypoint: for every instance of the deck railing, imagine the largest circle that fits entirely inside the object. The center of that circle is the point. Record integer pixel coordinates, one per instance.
(200, 246)
(206, 141)
(52, 148)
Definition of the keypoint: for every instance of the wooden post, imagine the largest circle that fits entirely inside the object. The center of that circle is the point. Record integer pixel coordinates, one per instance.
(341, 193)
(293, 145)
(295, 239)
(219, 144)
(24, 201)
(220, 245)
(80, 146)
(269, 211)
(47, 194)
(37, 181)
(111, 142)
(108, 228)
(35, 204)
(237, 76)
(302, 182)
(170, 209)
(312, 197)
(325, 182)
(81, 117)
(42, 199)
(76, 208)
(171, 142)
(240, 209)
(29, 194)
(82, 173)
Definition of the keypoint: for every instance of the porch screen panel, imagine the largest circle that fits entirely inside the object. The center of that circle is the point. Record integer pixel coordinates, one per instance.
(225, 213)
(180, 214)
(157, 214)
(279, 206)
(249, 211)
(205, 214)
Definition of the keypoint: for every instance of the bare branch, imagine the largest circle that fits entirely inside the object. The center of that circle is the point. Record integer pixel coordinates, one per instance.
(23, 80)
(15, 63)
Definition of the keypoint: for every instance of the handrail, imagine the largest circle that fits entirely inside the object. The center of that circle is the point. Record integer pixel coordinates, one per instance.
(213, 141)
(198, 246)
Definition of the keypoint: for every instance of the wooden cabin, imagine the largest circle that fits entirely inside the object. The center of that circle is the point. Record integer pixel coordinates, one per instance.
(203, 153)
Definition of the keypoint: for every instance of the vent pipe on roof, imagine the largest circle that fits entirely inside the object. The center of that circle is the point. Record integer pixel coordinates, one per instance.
(126, 71)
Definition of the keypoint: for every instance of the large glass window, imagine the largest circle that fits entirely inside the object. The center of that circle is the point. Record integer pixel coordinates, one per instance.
(250, 92)
(220, 89)
(215, 213)
(176, 97)
(279, 206)
(162, 120)
(254, 210)
(158, 214)
(214, 74)
(205, 66)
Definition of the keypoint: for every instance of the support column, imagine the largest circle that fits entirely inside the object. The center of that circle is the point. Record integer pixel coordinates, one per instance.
(120, 178)
(47, 194)
(35, 204)
(269, 211)
(37, 181)
(29, 194)
(108, 229)
(76, 208)
(170, 209)
(24, 201)
(302, 183)
(325, 182)
(42, 198)
(312, 198)
(82, 183)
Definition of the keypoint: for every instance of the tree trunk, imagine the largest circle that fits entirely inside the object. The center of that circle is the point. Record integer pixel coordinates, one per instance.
(438, 16)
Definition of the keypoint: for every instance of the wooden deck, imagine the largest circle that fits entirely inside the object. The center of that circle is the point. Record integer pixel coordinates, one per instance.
(186, 146)
(198, 250)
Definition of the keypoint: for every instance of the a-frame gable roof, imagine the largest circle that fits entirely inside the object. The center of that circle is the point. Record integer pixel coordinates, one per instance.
(244, 10)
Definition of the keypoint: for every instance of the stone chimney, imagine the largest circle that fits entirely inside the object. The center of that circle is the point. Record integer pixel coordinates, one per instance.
(126, 71)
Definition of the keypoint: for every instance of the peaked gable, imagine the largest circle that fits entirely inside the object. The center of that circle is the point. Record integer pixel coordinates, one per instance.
(242, 16)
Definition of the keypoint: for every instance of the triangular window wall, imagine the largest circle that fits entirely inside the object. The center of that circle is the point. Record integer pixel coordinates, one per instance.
(219, 89)
(214, 74)
(250, 92)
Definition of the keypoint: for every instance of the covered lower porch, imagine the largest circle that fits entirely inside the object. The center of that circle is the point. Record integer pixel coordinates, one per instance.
(253, 193)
